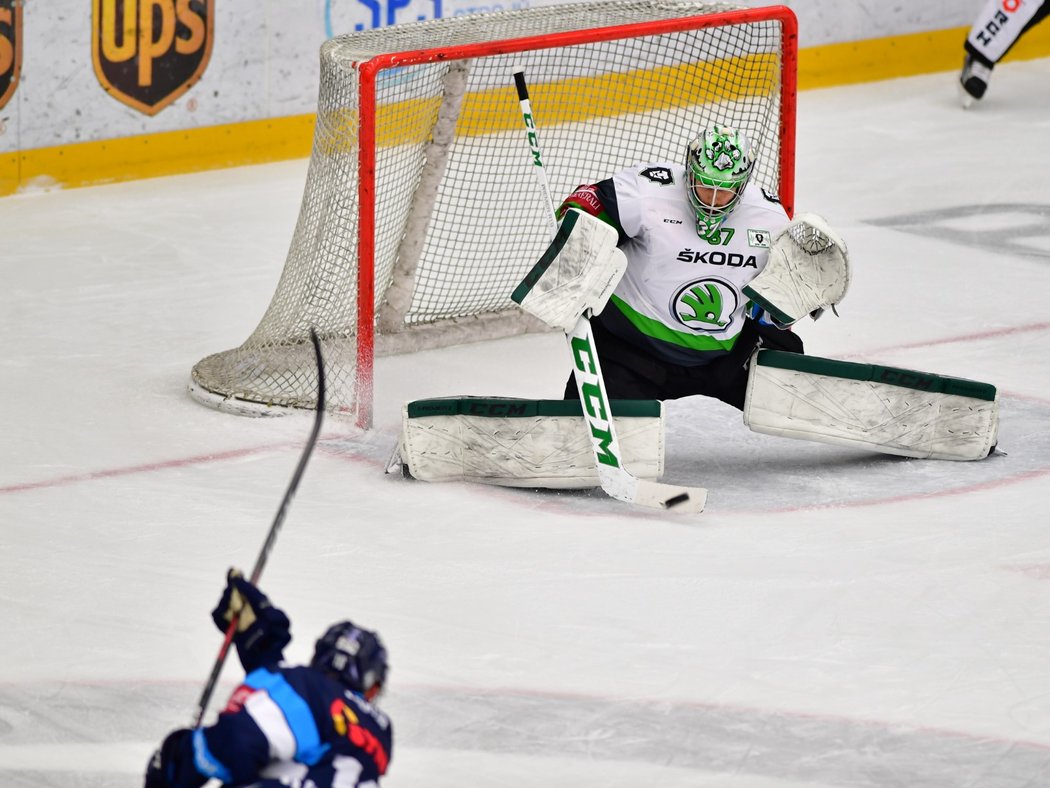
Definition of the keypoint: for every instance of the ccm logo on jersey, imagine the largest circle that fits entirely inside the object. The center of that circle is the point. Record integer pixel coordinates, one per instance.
(731, 260)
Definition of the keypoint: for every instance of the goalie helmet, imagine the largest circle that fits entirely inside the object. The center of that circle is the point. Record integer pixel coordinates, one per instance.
(718, 165)
(354, 656)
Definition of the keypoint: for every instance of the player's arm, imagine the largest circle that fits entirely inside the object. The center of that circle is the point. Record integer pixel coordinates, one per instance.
(171, 766)
(598, 200)
(233, 750)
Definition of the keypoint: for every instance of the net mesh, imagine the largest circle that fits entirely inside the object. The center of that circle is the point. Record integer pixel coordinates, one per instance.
(458, 216)
(810, 238)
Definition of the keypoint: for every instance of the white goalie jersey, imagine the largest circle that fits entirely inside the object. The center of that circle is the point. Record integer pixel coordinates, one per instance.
(682, 295)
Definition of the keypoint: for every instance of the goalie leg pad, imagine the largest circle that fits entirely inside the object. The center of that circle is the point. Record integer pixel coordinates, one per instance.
(523, 443)
(883, 409)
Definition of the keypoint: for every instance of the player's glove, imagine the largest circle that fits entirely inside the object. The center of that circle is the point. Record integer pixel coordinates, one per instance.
(164, 769)
(262, 629)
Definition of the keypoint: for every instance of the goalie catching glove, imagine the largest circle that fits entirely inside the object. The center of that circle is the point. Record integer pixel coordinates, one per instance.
(808, 271)
(576, 275)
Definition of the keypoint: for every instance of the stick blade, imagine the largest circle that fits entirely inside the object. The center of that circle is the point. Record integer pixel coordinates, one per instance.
(680, 500)
(621, 485)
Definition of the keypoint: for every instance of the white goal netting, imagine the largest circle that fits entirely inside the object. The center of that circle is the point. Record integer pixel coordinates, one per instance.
(421, 213)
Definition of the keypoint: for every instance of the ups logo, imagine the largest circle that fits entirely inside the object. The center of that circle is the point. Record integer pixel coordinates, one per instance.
(10, 48)
(147, 53)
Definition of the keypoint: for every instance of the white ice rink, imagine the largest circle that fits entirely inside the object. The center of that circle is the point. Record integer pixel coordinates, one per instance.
(836, 618)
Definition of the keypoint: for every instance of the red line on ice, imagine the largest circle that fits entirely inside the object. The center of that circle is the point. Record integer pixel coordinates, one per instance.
(235, 453)
(134, 469)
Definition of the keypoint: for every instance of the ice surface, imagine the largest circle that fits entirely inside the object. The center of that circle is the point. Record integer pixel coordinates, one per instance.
(835, 619)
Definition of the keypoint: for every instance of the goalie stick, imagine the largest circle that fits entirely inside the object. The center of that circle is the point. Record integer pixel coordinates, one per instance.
(271, 537)
(616, 480)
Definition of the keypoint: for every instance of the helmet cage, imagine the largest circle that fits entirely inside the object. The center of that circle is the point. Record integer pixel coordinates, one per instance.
(717, 160)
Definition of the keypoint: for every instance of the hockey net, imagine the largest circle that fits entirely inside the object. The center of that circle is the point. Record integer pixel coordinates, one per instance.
(420, 213)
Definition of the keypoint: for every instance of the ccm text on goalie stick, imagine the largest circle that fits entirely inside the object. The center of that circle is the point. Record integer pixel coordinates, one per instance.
(616, 480)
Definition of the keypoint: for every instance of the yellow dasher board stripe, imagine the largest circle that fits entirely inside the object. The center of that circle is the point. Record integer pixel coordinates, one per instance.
(573, 100)
(276, 139)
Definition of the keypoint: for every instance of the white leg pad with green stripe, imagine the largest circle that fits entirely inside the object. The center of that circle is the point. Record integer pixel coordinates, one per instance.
(523, 443)
(883, 409)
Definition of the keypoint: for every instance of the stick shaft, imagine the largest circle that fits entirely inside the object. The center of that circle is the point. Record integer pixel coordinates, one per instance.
(587, 372)
(271, 537)
(616, 480)
(534, 146)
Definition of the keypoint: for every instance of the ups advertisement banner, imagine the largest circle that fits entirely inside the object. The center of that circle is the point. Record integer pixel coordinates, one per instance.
(147, 53)
(10, 48)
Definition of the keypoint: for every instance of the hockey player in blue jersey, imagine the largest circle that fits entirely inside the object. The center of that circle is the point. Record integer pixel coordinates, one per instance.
(308, 726)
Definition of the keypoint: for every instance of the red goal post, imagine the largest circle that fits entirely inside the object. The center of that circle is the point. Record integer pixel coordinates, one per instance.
(420, 214)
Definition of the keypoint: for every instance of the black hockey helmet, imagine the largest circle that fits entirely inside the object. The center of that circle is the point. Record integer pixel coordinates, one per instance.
(355, 656)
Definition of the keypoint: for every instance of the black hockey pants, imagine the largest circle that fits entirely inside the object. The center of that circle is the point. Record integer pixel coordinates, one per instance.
(630, 373)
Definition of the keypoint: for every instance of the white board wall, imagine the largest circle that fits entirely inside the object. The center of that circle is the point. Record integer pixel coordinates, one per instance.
(264, 61)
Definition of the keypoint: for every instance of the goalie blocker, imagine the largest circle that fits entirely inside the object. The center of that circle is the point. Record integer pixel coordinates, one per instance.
(576, 275)
(521, 442)
(883, 409)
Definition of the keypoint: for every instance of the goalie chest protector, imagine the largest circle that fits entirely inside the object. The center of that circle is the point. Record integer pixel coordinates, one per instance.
(679, 288)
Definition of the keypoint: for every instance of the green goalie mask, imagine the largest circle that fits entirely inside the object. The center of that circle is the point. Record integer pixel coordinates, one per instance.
(718, 165)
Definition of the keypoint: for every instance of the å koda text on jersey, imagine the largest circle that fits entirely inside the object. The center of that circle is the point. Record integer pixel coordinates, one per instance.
(718, 257)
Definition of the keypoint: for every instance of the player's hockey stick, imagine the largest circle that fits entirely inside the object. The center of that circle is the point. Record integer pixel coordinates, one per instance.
(271, 537)
(615, 479)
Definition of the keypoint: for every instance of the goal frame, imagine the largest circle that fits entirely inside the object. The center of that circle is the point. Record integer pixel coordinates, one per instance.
(404, 241)
(369, 70)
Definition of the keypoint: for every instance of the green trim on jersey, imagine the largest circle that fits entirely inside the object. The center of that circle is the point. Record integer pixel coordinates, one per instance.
(656, 330)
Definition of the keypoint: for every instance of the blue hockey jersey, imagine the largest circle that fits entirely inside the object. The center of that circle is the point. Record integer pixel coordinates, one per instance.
(293, 726)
